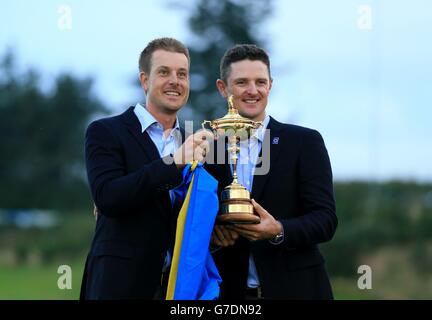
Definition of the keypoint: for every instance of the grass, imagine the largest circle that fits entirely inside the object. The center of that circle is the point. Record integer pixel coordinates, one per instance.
(346, 289)
(29, 259)
(38, 282)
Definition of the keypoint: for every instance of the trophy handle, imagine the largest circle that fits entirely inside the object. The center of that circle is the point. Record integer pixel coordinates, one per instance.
(212, 127)
(206, 122)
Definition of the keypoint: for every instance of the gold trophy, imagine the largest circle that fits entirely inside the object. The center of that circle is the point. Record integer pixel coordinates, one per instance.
(236, 206)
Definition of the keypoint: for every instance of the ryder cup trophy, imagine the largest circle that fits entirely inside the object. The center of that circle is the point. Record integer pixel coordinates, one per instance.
(236, 205)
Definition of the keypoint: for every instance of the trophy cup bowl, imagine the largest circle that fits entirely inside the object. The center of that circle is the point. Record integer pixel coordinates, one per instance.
(235, 205)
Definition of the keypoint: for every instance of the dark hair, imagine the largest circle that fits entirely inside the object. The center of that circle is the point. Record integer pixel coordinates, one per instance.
(242, 52)
(167, 44)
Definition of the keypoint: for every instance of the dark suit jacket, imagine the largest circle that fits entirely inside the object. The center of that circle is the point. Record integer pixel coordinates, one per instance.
(129, 184)
(298, 191)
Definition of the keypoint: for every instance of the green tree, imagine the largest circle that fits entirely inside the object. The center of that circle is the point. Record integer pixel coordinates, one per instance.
(42, 138)
(402, 217)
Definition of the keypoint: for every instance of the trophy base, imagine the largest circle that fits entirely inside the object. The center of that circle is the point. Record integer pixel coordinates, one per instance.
(237, 218)
(236, 206)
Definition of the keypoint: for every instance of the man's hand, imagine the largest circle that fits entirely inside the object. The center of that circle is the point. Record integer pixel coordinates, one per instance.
(195, 147)
(268, 228)
(223, 237)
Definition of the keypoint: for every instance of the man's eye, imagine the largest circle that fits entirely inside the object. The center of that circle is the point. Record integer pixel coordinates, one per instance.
(163, 72)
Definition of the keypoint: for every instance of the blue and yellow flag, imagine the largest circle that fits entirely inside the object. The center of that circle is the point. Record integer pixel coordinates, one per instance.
(193, 274)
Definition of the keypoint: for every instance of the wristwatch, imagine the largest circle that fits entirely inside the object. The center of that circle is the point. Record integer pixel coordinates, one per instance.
(278, 238)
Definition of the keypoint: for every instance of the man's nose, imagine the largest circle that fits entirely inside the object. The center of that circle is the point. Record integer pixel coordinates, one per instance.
(252, 89)
(173, 78)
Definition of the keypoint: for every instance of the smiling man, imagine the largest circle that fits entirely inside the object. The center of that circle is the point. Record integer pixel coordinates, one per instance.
(279, 257)
(133, 161)
(250, 83)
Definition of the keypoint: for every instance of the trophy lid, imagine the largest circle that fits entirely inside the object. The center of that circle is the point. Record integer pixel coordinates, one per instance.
(234, 120)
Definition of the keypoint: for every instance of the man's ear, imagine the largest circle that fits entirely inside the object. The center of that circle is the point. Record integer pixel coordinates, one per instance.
(222, 88)
(144, 80)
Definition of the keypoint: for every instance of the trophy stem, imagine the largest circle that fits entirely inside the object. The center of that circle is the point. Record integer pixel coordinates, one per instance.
(234, 152)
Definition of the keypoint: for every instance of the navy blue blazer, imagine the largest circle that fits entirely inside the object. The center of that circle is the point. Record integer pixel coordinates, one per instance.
(298, 191)
(129, 183)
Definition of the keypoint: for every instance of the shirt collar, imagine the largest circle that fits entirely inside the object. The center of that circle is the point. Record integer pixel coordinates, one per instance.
(260, 132)
(146, 119)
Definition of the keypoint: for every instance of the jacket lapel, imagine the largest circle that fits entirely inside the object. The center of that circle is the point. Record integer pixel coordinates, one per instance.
(143, 139)
(259, 181)
(150, 151)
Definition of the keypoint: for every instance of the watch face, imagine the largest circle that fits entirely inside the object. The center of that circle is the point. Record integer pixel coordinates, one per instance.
(277, 239)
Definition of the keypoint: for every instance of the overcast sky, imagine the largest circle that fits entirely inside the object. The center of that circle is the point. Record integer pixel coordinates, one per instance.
(360, 72)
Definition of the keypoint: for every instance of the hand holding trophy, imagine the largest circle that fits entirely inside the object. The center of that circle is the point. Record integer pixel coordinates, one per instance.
(236, 206)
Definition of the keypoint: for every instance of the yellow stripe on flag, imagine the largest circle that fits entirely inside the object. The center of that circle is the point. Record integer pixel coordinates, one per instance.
(179, 239)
